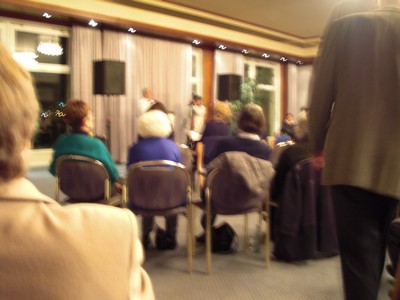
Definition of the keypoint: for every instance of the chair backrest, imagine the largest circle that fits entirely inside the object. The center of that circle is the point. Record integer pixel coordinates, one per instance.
(82, 178)
(157, 186)
(231, 189)
(305, 222)
(277, 152)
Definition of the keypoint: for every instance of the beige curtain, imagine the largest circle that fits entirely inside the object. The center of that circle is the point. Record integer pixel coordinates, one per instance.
(298, 86)
(86, 45)
(162, 65)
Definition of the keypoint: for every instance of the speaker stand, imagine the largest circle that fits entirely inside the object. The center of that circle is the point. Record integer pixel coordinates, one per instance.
(108, 122)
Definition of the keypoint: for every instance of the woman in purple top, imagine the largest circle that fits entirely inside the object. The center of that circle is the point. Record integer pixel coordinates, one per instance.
(220, 124)
(154, 128)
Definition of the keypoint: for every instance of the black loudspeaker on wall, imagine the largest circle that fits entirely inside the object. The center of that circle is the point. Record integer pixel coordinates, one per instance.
(229, 87)
(109, 77)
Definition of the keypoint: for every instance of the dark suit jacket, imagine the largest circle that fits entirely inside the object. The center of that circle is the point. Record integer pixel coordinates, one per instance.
(358, 71)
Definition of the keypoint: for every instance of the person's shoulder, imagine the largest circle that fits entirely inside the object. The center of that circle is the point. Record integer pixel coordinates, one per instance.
(90, 213)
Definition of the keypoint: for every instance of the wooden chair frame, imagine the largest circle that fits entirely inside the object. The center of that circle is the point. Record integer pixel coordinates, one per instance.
(81, 158)
(180, 168)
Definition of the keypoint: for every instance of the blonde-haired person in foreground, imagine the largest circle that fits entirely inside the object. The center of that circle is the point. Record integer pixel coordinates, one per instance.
(81, 251)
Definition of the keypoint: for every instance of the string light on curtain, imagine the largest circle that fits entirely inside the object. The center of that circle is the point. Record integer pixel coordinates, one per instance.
(49, 45)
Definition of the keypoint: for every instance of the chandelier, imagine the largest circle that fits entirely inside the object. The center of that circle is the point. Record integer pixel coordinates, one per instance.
(26, 58)
(49, 45)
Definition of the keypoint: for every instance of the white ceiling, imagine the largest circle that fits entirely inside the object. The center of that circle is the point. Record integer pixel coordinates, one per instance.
(299, 18)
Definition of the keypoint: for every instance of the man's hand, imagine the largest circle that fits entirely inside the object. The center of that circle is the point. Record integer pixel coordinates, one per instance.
(318, 160)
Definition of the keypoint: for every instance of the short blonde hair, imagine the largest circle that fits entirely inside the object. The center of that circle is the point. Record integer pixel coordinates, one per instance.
(19, 111)
(222, 111)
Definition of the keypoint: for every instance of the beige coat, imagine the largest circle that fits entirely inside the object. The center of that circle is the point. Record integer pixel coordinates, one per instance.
(359, 72)
(80, 251)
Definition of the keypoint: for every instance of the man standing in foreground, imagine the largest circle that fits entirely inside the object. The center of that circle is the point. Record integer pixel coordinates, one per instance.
(354, 130)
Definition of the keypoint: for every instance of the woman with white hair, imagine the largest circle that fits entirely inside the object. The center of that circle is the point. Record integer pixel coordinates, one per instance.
(154, 128)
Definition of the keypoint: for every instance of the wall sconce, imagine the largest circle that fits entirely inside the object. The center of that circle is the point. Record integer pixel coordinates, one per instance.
(93, 23)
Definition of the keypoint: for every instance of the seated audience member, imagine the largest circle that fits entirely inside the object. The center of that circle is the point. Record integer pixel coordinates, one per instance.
(219, 125)
(159, 106)
(288, 125)
(80, 141)
(154, 128)
(250, 123)
(290, 156)
(82, 251)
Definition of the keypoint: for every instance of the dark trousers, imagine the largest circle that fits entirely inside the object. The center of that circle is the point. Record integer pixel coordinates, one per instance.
(362, 220)
(393, 246)
(170, 224)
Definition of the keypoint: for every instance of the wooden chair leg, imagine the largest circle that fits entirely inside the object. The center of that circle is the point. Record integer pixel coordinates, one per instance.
(246, 233)
(189, 241)
(267, 240)
(208, 241)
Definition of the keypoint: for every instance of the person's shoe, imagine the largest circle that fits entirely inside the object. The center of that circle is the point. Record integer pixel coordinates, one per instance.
(390, 270)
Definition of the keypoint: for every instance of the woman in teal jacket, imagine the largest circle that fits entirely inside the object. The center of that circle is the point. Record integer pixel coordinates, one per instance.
(81, 141)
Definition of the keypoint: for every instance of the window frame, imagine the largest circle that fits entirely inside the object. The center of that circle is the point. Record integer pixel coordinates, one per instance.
(275, 114)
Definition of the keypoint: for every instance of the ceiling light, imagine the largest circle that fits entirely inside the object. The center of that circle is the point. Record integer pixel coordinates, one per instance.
(265, 55)
(222, 47)
(49, 45)
(245, 51)
(47, 15)
(196, 42)
(93, 23)
(131, 30)
(299, 62)
(283, 59)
